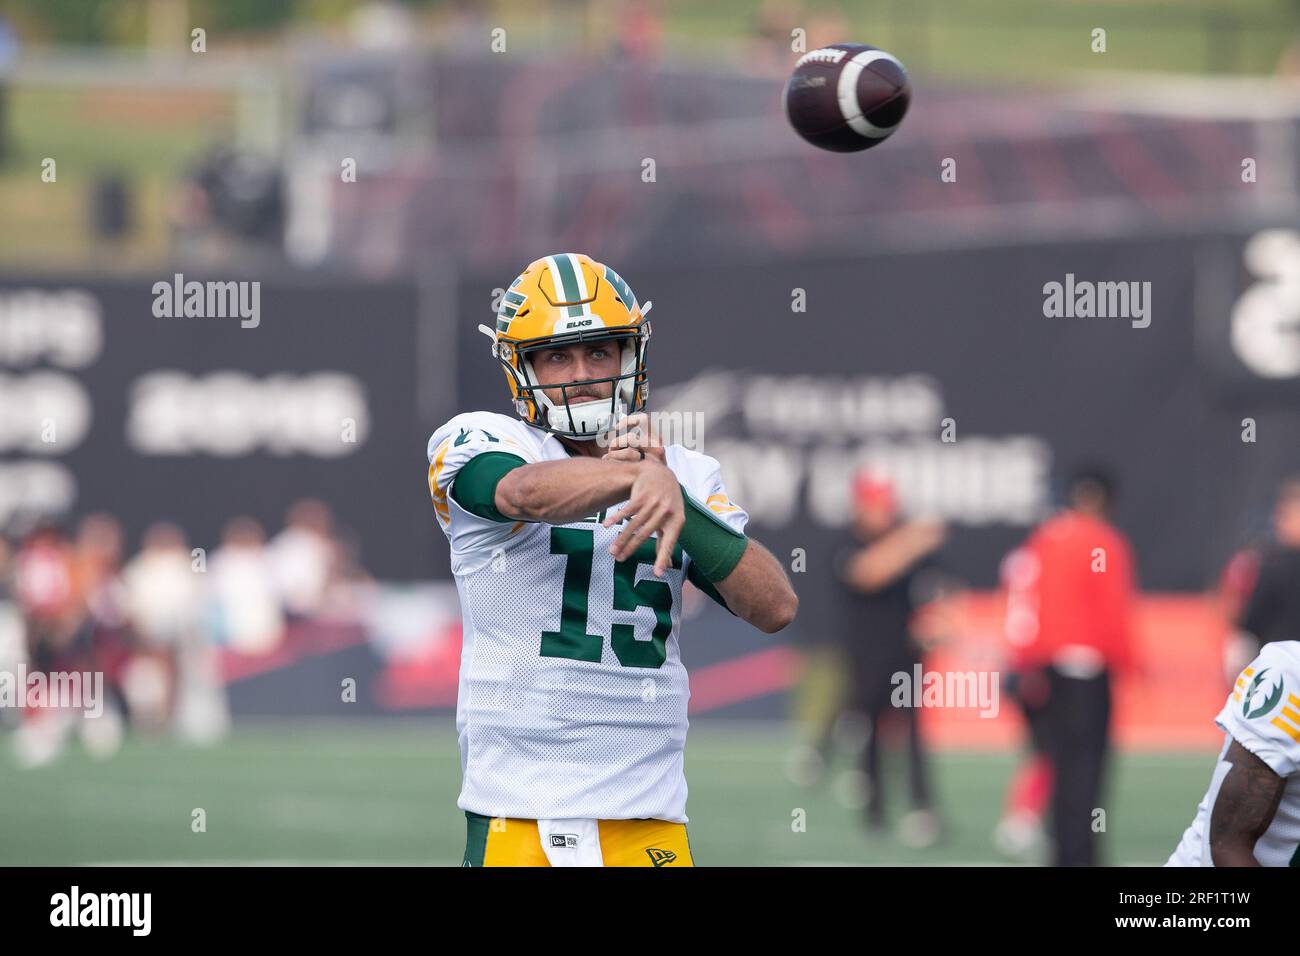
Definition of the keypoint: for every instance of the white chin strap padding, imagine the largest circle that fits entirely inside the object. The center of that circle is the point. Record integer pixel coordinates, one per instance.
(589, 418)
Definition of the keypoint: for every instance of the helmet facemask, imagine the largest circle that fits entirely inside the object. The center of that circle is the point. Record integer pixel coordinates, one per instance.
(584, 419)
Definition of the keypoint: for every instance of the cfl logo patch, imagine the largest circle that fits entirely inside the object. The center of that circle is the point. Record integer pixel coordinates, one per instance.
(564, 839)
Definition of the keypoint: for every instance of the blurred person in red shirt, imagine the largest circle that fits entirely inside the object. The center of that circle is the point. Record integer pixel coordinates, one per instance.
(45, 588)
(1070, 627)
(66, 594)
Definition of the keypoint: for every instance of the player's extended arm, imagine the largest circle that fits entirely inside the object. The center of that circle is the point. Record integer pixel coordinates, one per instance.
(558, 492)
(1244, 808)
(758, 590)
(736, 570)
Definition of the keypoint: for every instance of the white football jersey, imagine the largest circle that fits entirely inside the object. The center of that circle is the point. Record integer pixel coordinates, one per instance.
(572, 696)
(1263, 715)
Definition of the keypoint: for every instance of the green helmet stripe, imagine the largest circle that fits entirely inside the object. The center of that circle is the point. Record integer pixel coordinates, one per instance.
(568, 281)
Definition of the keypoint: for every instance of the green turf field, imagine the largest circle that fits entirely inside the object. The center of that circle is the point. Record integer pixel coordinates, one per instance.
(385, 793)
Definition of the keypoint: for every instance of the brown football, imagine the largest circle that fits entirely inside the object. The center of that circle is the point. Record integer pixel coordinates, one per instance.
(847, 97)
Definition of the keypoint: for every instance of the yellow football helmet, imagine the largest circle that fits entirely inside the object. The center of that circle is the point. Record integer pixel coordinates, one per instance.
(561, 300)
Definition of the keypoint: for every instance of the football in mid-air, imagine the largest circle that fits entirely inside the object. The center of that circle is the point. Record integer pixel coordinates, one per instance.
(847, 97)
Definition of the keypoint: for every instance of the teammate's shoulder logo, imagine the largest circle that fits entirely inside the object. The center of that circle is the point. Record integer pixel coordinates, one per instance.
(1263, 693)
(660, 857)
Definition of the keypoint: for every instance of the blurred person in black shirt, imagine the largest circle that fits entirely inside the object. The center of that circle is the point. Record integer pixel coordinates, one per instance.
(1272, 609)
(886, 582)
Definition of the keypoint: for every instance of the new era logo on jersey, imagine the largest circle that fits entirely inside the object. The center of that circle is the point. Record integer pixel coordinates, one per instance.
(660, 857)
(564, 839)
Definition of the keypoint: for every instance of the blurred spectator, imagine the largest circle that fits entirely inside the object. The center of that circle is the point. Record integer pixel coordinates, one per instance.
(888, 580)
(104, 629)
(165, 595)
(774, 26)
(230, 201)
(1230, 595)
(1020, 831)
(383, 25)
(639, 32)
(162, 599)
(162, 589)
(462, 26)
(8, 54)
(44, 587)
(68, 597)
(13, 642)
(884, 580)
(156, 627)
(1072, 632)
(1271, 610)
(778, 19)
(303, 558)
(245, 605)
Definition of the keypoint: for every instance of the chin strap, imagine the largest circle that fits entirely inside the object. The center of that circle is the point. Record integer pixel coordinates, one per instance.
(558, 418)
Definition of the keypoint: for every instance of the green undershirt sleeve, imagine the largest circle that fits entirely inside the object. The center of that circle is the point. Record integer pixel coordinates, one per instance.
(475, 485)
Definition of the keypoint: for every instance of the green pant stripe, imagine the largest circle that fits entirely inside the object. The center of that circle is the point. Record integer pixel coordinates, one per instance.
(476, 838)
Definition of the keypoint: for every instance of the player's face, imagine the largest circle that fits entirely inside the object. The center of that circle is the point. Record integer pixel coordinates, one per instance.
(573, 363)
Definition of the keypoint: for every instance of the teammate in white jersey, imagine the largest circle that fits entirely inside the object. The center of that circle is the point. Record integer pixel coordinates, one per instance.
(573, 530)
(1250, 816)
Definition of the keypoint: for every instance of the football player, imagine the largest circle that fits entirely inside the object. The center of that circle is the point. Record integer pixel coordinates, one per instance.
(573, 530)
(1250, 816)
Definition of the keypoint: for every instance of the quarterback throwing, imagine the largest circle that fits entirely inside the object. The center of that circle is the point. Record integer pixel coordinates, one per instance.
(573, 531)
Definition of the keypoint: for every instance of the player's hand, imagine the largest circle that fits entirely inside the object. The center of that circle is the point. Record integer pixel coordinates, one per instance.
(632, 439)
(654, 505)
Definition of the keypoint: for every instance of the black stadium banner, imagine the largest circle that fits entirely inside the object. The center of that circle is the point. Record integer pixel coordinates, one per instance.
(110, 404)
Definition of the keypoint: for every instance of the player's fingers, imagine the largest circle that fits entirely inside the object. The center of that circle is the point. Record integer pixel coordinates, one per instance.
(615, 515)
(638, 517)
(634, 432)
(667, 541)
(638, 531)
(634, 439)
(624, 454)
(634, 425)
